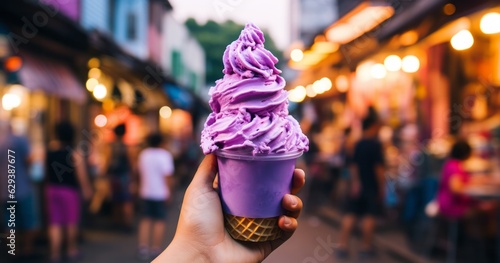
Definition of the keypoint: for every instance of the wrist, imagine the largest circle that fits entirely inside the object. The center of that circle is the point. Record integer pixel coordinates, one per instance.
(181, 251)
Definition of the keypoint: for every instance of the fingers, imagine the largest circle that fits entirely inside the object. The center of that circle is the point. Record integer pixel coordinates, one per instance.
(215, 184)
(298, 181)
(288, 224)
(292, 204)
(206, 172)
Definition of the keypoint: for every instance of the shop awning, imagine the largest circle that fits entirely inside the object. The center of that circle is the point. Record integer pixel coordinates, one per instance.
(51, 76)
(179, 97)
(147, 71)
(53, 33)
(409, 18)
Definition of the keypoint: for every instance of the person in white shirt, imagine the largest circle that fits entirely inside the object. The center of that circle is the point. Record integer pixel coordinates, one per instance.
(156, 167)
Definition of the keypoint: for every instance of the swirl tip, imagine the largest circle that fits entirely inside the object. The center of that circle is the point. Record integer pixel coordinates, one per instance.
(252, 35)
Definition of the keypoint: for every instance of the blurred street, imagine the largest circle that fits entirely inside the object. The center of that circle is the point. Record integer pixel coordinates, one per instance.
(314, 241)
(390, 107)
(313, 244)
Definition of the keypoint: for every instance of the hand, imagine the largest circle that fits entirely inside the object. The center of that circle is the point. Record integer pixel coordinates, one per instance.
(200, 235)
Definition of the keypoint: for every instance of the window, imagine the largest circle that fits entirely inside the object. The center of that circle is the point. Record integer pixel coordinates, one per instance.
(193, 80)
(177, 66)
(131, 26)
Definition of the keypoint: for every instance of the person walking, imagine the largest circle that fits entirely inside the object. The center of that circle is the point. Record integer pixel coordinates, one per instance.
(66, 175)
(156, 167)
(366, 190)
(120, 167)
(16, 159)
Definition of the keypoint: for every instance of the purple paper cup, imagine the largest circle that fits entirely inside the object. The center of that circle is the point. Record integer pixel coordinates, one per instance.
(252, 187)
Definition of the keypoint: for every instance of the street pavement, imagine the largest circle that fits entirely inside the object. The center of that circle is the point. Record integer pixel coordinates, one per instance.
(314, 242)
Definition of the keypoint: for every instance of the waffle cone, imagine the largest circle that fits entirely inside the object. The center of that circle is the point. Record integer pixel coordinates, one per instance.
(252, 229)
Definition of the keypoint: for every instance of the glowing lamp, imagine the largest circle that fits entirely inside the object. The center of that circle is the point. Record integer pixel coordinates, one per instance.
(165, 112)
(410, 64)
(10, 101)
(462, 40)
(490, 23)
(94, 73)
(91, 84)
(100, 92)
(310, 91)
(342, 83)
(100, 120)
(392, 63)
(297, 55)
(297, 94)
(378, 71)
(13, 63)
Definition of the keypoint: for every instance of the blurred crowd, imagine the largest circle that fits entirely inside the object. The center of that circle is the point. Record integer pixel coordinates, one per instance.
(113, 186)
(441, 194)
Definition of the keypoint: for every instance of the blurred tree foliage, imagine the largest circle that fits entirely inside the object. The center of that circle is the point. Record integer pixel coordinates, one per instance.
(215, 37)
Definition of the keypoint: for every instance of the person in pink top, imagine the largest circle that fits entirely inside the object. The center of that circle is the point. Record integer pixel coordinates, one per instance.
(452, 202)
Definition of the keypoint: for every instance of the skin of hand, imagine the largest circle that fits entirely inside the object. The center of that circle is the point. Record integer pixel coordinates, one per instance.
(200, 234)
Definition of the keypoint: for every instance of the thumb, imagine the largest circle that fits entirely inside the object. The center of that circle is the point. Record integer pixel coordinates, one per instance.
(206, 172)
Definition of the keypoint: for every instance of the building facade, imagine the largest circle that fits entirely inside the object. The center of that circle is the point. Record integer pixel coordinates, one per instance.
(182, 55)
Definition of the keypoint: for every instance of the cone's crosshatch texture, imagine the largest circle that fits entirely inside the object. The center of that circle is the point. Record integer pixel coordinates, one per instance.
(252, 229)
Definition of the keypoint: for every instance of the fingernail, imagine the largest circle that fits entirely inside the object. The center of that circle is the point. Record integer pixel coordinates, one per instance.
(287, 221)
(292, 200)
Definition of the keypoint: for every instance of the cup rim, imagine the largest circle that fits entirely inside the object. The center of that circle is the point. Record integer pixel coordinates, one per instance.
(248, 156)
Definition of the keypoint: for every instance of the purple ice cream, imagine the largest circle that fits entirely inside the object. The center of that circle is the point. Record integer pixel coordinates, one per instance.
(249, 104)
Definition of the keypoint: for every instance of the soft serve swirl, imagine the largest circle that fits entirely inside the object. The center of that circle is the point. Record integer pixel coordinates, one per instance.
(249, 104)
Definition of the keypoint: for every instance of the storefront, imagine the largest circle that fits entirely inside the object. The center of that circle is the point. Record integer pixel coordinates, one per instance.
(413, 67)
(430, 69)
(45, 85)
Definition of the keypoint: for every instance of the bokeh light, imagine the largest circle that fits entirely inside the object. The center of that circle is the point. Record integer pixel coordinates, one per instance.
(91, 84)
(310, 91)
(490, 23)
(378, 71)
(298, 94)
(100, 92)
(342, 83)
(13, 63)
(392, 63)
(410, 64)
(297, 55)
(100, 120)
(449, 9)
(317, 87)
(94, 63)
(165, 112)
(94, 73)
(326, 83)
(462, 40)
(10, 101)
